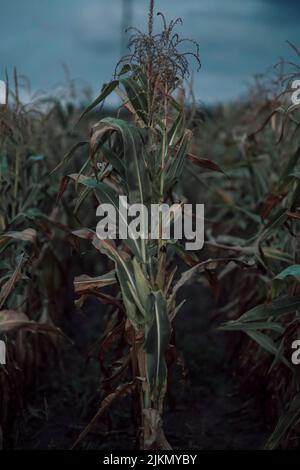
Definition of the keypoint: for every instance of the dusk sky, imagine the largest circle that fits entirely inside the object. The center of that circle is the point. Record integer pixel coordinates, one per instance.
(238, 38)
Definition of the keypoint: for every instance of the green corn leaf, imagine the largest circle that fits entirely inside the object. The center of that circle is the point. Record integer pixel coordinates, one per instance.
(127, 68)
(175, 134)
(252, 326)
(268, 344)
(293, 271)
(68, 155)
(289, 167)
(280, 306)
(285, 423)
(105, 194)
(114, 160)
(107, 89)
(137, 174)
(276, 222)
(126, 279)
(175, 165)
(99, 139)
(157, 337)
(137, 97)
(133, 314)
(142, 285)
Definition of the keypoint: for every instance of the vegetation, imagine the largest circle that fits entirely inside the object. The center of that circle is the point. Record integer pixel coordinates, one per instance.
(240, 159)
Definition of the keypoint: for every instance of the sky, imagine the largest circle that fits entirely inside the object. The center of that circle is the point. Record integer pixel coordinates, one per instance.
(237, 38)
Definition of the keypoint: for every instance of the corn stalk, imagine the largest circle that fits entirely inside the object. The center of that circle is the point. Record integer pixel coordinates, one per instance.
(141, 158)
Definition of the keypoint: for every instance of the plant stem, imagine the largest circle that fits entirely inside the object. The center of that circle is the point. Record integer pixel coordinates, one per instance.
(150, 21)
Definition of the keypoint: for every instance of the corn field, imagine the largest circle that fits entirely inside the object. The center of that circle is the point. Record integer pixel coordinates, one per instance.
(140, 343)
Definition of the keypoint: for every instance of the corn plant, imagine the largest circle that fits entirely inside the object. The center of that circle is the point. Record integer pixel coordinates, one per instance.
(32, 273)
(143, 158)
(260, 204)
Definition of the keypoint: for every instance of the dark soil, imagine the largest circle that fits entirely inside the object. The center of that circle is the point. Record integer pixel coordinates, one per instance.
(208, 411)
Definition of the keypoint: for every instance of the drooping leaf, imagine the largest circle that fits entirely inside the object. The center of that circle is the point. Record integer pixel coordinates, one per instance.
(176, 163)
(204, 163)
(288, 168)
(68, 155)
(8, 287)
(137, 176)
(266, 343)
(107, 89)
(134, 307)
(280, 306)
(142, 285)
(253, 326)
(28, 235)
(10, 320)
(137, 96)
(84, 283)
(272, 201)
(105, 194)
(119, 393)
